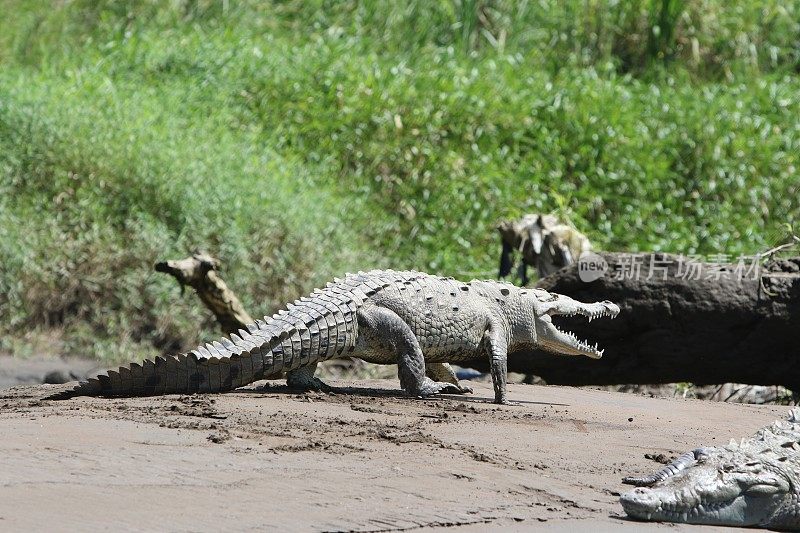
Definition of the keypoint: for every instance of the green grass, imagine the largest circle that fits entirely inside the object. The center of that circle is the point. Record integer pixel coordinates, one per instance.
(298, 140)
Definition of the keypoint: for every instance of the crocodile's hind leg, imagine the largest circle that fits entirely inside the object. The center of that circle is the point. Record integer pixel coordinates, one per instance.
(303, 378)
(444, 372)
(393, 332)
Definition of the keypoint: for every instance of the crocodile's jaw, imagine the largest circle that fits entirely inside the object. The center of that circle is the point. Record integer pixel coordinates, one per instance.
(705, 494)
(552, 339)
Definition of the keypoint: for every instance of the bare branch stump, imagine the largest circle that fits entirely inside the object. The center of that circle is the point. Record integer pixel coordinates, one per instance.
(200, 272)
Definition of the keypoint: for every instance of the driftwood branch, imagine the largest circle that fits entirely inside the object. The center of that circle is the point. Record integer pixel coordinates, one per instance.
(200, 272)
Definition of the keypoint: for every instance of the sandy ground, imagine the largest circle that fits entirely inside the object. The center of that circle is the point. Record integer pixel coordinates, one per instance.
(363, 459)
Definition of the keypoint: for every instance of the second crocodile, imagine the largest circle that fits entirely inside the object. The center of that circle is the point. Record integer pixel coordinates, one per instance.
(752, 483)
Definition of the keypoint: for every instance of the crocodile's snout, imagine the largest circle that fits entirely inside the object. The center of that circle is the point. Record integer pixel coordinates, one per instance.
(641, 502)
(611, 307)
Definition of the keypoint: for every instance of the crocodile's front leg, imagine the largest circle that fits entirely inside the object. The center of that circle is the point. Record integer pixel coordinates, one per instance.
(498, 350)
(444, 372)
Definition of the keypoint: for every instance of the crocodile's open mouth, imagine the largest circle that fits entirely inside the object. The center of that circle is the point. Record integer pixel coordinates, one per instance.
(590, 311)
(557, 340)
(554, 339)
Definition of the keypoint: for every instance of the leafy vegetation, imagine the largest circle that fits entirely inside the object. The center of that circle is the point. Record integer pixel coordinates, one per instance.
(297, 140)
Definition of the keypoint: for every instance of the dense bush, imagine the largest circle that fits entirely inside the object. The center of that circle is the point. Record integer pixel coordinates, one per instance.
(297, 140)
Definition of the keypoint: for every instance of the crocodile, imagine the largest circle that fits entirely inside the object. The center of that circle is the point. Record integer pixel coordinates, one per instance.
(380, 316)
(753, 483)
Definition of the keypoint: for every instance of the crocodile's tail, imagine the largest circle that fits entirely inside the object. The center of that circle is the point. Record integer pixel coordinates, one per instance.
(311, 329)
(215, 367)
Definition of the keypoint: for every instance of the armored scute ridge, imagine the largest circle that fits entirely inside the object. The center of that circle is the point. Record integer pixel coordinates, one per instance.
(418, 321)
(753, 483)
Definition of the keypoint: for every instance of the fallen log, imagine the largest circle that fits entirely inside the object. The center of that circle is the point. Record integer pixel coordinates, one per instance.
(681, 321)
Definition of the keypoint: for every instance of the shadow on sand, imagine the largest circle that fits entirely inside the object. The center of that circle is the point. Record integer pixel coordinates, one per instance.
(373, 392)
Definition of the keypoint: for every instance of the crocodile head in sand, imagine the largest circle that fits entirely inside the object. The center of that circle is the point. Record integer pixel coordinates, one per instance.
(719, 486)
(552, 339)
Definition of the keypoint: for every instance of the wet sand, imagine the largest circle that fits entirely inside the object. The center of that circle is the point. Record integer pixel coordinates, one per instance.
(363, 459)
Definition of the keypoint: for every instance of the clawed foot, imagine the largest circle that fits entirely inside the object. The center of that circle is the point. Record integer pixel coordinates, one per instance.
(313, 384)
(463, 389)
(450, 388)
(504, 401)
(455, 388)
(430, 387)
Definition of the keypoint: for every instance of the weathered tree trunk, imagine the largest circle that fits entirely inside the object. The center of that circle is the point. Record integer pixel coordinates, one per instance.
(690, 322)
